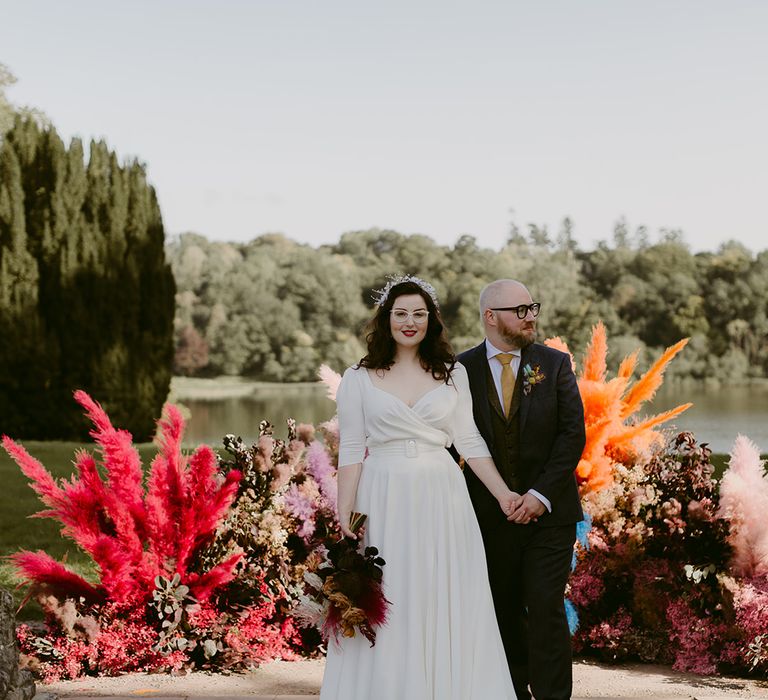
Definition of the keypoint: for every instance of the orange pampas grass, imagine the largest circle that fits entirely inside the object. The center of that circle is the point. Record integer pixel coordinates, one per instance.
(610, 403)
(646, 386)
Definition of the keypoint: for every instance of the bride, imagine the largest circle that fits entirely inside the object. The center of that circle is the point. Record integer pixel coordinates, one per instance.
(399, 408)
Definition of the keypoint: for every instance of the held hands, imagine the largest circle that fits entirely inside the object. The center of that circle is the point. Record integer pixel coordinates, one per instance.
(509, 502)
(528, 509)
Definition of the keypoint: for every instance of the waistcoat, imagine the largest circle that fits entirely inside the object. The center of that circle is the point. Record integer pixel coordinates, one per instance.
(506, 433)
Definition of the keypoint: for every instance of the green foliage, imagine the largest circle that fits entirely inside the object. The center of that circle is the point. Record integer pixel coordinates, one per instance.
(9, 111)
(6, 109)
(171, 604)
(86, 296)
(271, 309)
(663, 292)
(274, 309)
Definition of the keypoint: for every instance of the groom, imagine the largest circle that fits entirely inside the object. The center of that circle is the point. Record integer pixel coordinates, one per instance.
(527, 407)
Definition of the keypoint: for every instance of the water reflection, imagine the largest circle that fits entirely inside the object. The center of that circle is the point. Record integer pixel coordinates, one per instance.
(210, 420)
(718, 415)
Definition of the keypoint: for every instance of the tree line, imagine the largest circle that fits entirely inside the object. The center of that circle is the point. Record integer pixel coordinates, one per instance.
(274, 309)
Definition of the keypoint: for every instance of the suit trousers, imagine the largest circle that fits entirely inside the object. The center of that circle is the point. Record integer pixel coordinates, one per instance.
(528, 568)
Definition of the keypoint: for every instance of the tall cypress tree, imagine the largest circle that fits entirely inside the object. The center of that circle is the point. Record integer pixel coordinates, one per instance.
(24, 369)
(103, 298)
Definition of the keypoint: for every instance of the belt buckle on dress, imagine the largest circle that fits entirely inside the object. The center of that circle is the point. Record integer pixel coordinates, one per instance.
(411, 448)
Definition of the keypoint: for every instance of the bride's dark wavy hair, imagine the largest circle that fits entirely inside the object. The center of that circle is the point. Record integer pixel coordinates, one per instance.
(435, 352)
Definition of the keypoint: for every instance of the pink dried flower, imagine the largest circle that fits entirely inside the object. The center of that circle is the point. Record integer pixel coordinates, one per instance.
(204, 616)
(330, 432)
(699, 510)
(750, 603)
(587, 582)
(609, 635)
(321, 469)
(301, 507)
(695, 639)
(305, 432)
(281, 475)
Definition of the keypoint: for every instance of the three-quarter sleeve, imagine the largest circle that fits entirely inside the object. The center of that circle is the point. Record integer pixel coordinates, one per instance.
(349, 404)
(466, 436)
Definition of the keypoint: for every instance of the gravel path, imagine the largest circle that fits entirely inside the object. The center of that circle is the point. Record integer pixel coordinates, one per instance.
(303, 678)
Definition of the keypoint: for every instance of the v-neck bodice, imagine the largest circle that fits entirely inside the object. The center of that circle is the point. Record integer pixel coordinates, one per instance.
(370, 416)
(397, 398)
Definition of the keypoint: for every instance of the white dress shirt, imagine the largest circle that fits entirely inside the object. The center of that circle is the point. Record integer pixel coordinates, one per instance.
(496, 367)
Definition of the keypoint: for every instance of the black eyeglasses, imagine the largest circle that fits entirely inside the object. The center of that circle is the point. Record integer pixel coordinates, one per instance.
(522, 310)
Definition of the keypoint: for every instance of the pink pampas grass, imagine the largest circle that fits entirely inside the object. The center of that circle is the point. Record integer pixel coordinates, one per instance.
(50, 574)
(331, 380)
(131, 535)
(744, 504)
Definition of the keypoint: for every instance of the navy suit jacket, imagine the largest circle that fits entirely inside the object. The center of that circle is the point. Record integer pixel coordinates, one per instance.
(552, 433)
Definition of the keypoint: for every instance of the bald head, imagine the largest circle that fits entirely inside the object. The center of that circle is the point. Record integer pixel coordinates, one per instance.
(503, 293)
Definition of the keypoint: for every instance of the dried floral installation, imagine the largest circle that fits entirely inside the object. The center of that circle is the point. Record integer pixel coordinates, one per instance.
(203, 562)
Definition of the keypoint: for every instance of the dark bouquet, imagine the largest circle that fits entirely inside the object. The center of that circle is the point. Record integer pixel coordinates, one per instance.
(345, 594)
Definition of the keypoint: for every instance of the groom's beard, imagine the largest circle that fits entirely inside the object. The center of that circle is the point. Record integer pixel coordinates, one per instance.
(521, 338)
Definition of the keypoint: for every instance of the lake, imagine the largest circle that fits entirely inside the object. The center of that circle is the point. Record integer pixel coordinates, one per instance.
(234, 405)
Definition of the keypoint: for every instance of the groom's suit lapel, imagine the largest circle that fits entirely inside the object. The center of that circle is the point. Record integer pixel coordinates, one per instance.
(477, 372)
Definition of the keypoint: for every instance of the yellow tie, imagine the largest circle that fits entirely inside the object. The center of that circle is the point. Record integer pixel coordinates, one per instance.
(507, 380)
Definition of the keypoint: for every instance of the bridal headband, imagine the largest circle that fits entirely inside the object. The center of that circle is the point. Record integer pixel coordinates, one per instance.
(380, 295)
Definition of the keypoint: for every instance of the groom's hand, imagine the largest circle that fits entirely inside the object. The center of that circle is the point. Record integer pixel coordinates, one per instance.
(529, 509)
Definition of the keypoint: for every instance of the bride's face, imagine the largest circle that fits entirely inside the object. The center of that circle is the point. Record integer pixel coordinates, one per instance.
(408, 320)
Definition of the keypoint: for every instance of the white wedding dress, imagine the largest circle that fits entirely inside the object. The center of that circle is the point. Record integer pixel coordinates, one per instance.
(441, 641)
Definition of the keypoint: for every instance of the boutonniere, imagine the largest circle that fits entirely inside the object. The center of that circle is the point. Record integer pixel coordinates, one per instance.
(531, 377)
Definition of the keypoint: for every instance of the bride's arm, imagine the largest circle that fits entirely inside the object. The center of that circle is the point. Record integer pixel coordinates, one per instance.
(471, 445)
(486, 471)
(347, 480)
(349, 403)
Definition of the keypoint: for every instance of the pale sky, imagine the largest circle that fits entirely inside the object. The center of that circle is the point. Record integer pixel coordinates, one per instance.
(313, 118)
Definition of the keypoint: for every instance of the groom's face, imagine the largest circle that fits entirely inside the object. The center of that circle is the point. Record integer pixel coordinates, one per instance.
(517, 332)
